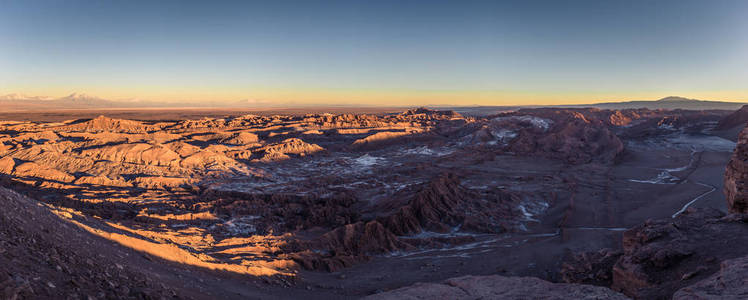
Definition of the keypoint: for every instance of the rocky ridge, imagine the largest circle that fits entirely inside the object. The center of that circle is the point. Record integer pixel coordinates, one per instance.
(737, 118)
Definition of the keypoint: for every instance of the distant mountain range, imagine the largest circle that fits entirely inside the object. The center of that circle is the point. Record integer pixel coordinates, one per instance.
(669, 103)
(73, 101)
(19, 102)
(672, 102)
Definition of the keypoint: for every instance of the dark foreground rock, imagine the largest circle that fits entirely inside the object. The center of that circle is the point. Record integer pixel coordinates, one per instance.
(498, 287)
(731, 282)
(594, 268)
(43, 258)
(662, 256)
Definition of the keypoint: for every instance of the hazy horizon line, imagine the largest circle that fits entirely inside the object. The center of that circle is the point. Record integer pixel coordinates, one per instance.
(265, 103)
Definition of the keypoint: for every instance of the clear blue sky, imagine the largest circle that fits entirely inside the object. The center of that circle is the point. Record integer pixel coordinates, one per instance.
(498, 52)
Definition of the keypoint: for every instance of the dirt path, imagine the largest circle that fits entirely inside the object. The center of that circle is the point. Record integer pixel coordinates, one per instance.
(692, 166)
(713, 188)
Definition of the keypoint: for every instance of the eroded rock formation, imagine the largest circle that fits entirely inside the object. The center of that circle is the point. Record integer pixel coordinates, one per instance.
(444, 204)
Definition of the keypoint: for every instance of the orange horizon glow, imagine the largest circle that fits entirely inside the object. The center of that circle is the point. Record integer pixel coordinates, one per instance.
(372, 97)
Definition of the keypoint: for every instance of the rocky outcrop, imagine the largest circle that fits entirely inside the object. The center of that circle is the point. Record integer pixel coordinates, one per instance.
(241, 138)
(183, 149)
(208, 160)
(570, 135)
(105, 124)
(139, 153)
(594, 268)
(7, 164)
(38, 137)
(281, 150)
(731, 282)
(498, 287)
(34, 170)
(735, 119)
(349, 244)
(662, 256)
(4, 148)
(736, 176)
(444, 204)
(362, 238)
(379, 139)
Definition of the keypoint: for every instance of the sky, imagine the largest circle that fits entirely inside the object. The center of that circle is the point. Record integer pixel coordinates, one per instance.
(376, 52)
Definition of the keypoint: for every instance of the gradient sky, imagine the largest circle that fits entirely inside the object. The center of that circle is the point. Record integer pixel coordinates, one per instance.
(377, 52)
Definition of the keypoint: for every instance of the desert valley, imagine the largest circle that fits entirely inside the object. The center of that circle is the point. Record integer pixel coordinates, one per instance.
(542, 203)
(502, 149)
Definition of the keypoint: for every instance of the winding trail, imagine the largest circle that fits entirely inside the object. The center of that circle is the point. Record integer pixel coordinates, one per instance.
(665, 177)
(713, 188)
(693, 165)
